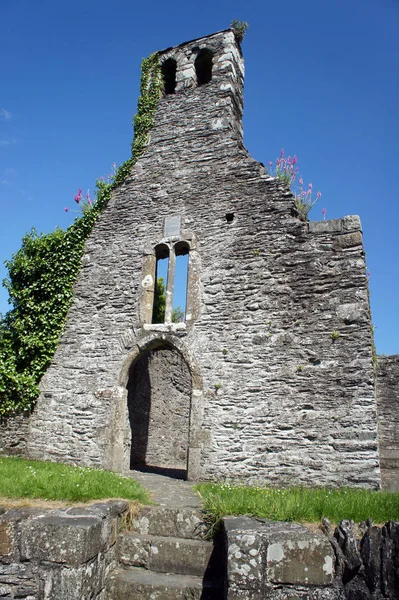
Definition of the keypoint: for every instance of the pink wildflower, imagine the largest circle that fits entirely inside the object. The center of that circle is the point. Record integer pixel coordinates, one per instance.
(324, 212)
(66, 209)
(301, 181)
(318, 194)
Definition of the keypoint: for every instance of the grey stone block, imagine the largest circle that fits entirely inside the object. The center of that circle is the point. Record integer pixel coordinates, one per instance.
(174, 522)
(264, 553)
(130, 585)
(165, 555)
(60, 539)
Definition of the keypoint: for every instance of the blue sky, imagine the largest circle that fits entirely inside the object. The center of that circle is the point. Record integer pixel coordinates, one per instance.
(322, 82)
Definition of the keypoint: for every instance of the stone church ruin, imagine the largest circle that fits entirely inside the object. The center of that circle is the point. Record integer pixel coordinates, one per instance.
(270, 376)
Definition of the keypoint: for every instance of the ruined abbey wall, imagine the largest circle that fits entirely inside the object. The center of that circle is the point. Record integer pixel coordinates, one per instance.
(277, 336)
(388, 419)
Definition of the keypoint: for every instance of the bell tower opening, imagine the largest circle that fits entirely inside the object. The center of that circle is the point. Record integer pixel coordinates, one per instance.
(203, 67)
(169, 68)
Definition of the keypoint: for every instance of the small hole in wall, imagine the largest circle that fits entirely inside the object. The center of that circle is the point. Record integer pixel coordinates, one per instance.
(229, 217)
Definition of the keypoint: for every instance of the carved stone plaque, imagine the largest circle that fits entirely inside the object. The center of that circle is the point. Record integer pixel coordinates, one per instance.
(172, 226)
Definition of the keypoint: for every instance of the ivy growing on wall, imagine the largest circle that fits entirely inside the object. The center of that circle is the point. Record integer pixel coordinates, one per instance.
(43, 271)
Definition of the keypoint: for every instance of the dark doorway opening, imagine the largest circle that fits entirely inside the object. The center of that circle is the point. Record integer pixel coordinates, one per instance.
(159, 399)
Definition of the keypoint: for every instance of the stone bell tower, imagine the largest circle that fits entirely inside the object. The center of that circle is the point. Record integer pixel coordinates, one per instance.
(253, 384)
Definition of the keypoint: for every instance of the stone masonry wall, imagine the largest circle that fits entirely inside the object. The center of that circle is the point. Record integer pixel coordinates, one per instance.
(283, 561)
(58, 554)
(388, 419)
(279, 347)
(14, 431)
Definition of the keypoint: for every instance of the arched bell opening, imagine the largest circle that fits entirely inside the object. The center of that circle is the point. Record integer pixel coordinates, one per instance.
(203, 67)
(159, 403)
(169, 68)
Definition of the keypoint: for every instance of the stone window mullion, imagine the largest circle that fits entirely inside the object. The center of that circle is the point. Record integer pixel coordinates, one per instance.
(170, 287)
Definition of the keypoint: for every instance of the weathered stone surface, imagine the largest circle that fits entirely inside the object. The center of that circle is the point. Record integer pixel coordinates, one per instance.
(165, 554)
(388, 419)
(6, 539)
(14, 434)
(390, 560)
(129, 585)
(59, 554)
(300, 559)
(350, 549)
(19, 581)
(170, 522)
(83, 582)
(70, 540)
(371, 557)
(368, 567)
(263, 556)
(273, 397)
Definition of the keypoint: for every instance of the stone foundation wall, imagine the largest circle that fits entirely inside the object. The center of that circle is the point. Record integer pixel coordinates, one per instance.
(58, 554)
(14, 431)
(388, 419)
(283, 561)
(70, 554)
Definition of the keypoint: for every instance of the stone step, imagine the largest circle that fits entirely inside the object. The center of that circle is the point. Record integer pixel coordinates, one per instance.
(135, 584)
(170, 522)
(170, 554)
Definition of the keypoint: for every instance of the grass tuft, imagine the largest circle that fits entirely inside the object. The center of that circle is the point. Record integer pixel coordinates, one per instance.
(304, 505)
(20, 478)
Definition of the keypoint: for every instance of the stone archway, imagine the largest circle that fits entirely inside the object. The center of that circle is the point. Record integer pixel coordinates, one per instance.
(159, 401)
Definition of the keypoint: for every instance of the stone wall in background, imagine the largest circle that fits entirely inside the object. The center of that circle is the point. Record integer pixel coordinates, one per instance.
(388, 419)
(14, 432)
(64, 554)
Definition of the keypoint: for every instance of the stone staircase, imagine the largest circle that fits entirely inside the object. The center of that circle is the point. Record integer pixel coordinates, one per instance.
(165, 557)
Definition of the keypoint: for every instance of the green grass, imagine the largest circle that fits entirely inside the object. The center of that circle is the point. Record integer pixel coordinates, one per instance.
(20, 478)
(304, 505)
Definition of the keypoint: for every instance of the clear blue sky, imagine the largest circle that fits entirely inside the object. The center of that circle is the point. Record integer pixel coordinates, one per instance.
(322, 81)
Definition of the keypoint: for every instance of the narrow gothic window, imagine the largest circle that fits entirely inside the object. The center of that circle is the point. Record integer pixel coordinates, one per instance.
(161, 282)
(203, 67)
(180, 283)
(169, 75)
(171, 283)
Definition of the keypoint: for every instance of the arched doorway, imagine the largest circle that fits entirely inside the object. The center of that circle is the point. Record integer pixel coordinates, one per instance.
(159, 399)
